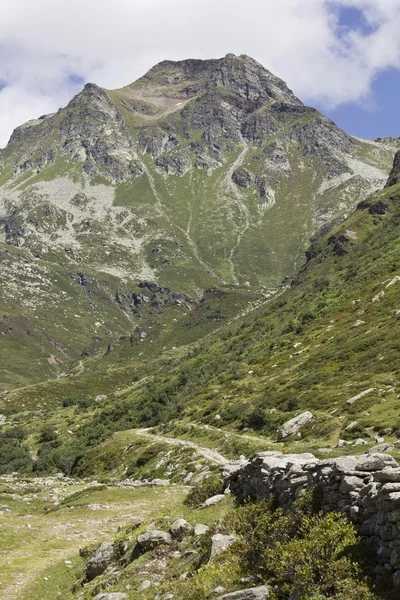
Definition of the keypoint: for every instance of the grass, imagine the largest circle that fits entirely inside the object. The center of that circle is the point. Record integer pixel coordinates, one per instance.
(36, 543)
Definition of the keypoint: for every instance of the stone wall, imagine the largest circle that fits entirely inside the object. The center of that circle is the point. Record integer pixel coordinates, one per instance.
(366, 488)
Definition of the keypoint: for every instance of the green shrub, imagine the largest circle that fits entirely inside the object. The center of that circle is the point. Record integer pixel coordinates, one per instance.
(203, 490)
(14, 456)
(300, 551)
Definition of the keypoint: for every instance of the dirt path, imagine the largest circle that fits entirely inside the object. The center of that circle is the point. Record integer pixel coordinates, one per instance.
(211, 455)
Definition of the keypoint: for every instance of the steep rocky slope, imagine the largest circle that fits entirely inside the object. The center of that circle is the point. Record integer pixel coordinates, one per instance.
(200, 174)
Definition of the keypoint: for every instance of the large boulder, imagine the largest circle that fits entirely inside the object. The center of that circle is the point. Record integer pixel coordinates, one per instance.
(100, 560)
(256, 593)
(220, 542)
(152, 539)
(180, 529)
(294, 425)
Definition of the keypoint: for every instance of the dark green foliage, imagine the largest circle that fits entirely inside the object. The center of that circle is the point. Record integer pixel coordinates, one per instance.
(300, 551)
(255, 419)
(14, 454)
(204, 490)
(48, 435)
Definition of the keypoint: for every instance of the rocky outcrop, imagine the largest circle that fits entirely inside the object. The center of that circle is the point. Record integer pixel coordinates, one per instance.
(394, 177)
(366, 488)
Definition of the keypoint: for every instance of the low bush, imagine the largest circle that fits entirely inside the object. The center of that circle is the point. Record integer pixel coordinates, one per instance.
(204, 490)
(302, 553)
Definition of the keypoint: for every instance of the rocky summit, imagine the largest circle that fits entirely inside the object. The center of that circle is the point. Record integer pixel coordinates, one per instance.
(199, 377)
(201, 174)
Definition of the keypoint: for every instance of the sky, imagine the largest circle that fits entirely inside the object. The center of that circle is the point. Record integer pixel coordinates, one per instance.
(341, 56)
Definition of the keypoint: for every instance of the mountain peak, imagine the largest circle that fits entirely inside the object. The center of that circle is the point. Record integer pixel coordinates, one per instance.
(237, 75)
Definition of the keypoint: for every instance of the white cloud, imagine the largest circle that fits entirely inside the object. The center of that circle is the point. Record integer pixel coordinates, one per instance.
(42, 42)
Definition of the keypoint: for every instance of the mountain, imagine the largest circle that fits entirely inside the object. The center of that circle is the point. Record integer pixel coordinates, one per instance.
(121, 209)
(195, 268)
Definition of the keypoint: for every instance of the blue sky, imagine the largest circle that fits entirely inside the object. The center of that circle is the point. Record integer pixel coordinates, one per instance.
(341, 56)
(378, 115)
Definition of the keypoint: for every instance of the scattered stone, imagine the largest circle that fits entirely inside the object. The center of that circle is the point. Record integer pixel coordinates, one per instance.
(200, 529)
(378, 296)
(351, 426)
(100, 398)
(294, 425)
(359, 442)
(213, 500)
(358, 323)
(180, 529)
(144, 585)
(393, 281)
(256, 593)
(111, 596)
(100, 560)
(152, 539)
(220, 542)
(381, 448)
(342, 444)
(360, 395)
(218, 590)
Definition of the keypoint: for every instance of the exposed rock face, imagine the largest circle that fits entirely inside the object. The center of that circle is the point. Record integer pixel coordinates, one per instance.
(366, 488)
(294, 425)
(394, 177)
(257, 593)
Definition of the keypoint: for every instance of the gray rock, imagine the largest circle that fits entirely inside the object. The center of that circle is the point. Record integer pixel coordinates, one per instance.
(213, 500)
(144, 585)
(388, 474)
(151, 539)
(359, 442)
(360, 395)
(180, 529)
(100, 560)
(218, 590)
(256, 593)
(350, 484)
(111, 596)
(220, 542)
(159, 482)
(342, 444)
(381, 448)
(200, 529)
(376, 462)
(294, 425)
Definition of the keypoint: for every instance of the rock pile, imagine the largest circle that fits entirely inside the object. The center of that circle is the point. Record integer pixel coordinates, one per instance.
(366, 488)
